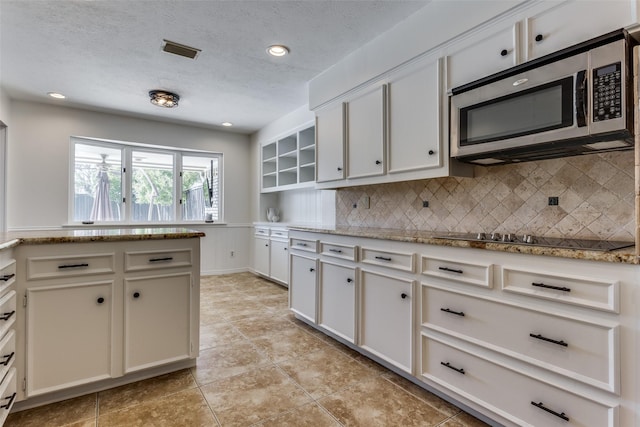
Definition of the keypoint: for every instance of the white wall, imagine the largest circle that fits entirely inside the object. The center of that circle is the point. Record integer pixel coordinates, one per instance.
(4, 118)
(38, 171)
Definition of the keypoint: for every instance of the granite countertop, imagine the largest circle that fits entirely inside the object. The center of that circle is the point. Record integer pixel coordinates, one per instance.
(625, 255)
(37, 237)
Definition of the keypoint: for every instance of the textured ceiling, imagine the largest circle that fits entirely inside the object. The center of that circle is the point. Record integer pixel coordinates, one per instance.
(106, 55)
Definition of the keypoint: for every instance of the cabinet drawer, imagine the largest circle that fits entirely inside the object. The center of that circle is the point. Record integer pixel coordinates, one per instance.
(338, 251)
(7, 312)
(7, 352)
(598, 294)
(8, 390)
(395, 260)
(151, 260)
(7, 275)
(587, 352)
(522, 399)
(70, 265)
(262, 231)
(279, 234)
(471, 274)
(304, 245)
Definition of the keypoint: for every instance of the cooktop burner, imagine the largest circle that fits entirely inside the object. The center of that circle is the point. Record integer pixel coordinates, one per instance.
(530, 240)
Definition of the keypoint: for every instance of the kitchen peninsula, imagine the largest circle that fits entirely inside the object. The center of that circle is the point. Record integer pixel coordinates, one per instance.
(96, 308)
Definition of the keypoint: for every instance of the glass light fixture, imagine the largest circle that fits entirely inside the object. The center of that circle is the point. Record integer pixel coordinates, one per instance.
(56, 95)
(162, 98)
(277, 50)
(227, 124)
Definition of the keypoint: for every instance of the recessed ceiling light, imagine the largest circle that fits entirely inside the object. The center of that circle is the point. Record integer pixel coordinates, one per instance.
(277, 50)
(227, 124)
(56, 95)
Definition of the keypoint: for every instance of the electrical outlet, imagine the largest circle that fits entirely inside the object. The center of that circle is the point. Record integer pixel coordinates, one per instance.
(553, 201)
(425, 203)
(233, 253)
(355, 205)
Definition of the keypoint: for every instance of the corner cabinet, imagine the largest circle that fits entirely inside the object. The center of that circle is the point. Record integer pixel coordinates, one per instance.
(97, 311)
(289, 161)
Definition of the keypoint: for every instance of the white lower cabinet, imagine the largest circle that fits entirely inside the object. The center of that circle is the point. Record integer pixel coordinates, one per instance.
(271, 253)
(156, 320)
(279, 265)
(523, 340)
(69, 335)
(261, 255)
(302, 289)
(337, 312)
(386, 318)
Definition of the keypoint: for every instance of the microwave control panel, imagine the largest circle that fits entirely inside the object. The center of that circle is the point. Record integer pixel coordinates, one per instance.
(607, 92)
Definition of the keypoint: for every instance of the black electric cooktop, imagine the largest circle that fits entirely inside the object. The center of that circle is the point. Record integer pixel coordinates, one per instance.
(530, 240)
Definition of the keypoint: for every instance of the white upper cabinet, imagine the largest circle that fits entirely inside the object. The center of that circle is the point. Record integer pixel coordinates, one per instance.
(330, 143)
(366, 133)
(482, 54)
(414, 105)
(574, 21)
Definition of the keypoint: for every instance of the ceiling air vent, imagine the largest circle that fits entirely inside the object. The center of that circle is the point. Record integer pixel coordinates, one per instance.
(180, 49)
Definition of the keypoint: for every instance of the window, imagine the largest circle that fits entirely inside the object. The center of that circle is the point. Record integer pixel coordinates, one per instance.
(135, 183)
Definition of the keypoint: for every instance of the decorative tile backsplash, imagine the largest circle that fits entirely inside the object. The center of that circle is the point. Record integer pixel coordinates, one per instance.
(596, 200)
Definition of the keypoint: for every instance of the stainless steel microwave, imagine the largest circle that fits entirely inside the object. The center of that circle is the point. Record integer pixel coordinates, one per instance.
(576, 101)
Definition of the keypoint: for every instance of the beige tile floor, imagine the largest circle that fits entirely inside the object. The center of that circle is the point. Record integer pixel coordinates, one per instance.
(258, 366)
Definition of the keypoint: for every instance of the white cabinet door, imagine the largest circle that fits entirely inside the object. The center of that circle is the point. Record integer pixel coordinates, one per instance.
(69, 335)
(386, 318)
(415, 132)
(261, 255)
(366, 137)
(157, 324)
(302, 287)
(482, 54)
(337, 299)
(279, 261)
(330, 144)
(575, 21)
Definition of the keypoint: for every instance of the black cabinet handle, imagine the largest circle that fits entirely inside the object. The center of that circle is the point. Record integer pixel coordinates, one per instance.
(378, 162)
(431, 152)
(403, 295)
(451, 270)
(7, 316)
(6, 277)
(266, 245)
(8, 405)
(168, 258)
(100, 300)
(8, 358)
(457, 313)
(448, 365)
(136, 294)
(285, 249)
(383, 258)
(540, 337)
(551, 411)
(338, 251)
(504, 52)
(301, 244)
(81, 265)
(539, 38)
(349, 280)
(339, 169)
(312, 270)
(556, 288)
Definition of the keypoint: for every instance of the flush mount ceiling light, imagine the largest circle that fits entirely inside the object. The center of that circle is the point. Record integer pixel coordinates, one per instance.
(162, 98)
(56, 95)
(277, 50)
(227, 124)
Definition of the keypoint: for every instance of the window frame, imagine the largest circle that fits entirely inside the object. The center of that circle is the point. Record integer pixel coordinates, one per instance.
(127, 149)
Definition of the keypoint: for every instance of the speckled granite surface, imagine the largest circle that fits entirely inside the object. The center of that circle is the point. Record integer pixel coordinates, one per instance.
(626, 255)
(38, 237)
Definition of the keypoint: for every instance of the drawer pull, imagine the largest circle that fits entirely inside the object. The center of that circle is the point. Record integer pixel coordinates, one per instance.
(338, 251)
(167, 258)
(451, 270)
(551, 411)
(82, 265)
(8, 405)
(312, 270)
(540, 337)
(7, 316)
(136, 294)
(556, 288)
(301, 244)
(448, 365)
(6, 277)
(8, 358)
(403, 295)
(457, 313)
(383, 258)
(349, 280)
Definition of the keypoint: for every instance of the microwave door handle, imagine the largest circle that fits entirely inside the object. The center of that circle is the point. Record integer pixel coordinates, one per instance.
(582, 97)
